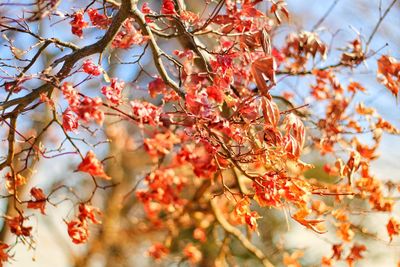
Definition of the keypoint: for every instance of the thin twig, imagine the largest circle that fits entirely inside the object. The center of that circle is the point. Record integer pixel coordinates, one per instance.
(239, 235)
(381, 18)
(326, 14)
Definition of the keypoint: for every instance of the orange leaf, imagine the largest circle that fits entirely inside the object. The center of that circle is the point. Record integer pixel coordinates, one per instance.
(261, 69)
(93, 166)
(393, 228)
(270, 112)
(313, 224)
(40, 200)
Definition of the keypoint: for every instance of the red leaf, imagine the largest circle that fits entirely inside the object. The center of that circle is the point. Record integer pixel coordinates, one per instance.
(216, 93)
(261, 69)
(78, 231)
(271, 113)
(17, 227)
(93, 166)
(90, 68)
(69, 120)
(40, 200)
(156, 87)
(3, 254)
(355, 254)
(393, 228)
(88, 212)
(313, 224)
(77, 23)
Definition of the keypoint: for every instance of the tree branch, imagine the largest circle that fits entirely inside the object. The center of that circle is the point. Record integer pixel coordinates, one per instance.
(236, 233)
(157, 52)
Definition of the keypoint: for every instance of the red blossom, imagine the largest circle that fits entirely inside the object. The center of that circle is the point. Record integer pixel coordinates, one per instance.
(164, 187)
(90, 68)
(145, 112)
(251, 220)
(201, 158)
(78, 24)
(69, 120)
(70, 94)
(93, 166)
(160, 145)
(189, 17)
(216, 93)
(278, 55)
(249, 111)
(198, 103)
(147, 10)
(99, 20)
(88, 109)
(222, 63)
(221, 139)
(168, 7)
(114, 92)
(128, 36)
(189, 54)
(243, 214)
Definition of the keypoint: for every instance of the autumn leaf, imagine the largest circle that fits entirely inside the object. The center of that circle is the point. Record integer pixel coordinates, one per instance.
(39, 201)
(3, 253)
(270, 112)
(279, 8)
(292, 260)
(313, 224)
(337, 251)
(88, 212)
(355, 254)
(93, 166)
(393, 228)
(157, 86)
(17, 227)
(261, 69)
(344, 231)
(389, 73)
(78, 231)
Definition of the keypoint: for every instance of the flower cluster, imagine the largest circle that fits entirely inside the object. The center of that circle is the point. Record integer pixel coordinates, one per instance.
(86, 109)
